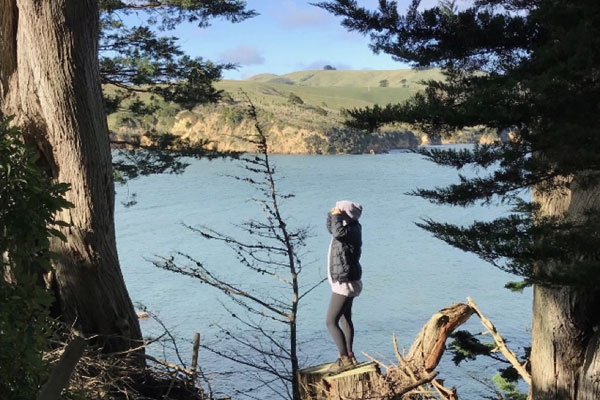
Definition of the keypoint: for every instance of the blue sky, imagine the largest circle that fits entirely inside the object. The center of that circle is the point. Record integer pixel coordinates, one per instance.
(287, 36)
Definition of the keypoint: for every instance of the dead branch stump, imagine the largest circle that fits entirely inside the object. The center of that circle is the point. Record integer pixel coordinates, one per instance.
(430, 343)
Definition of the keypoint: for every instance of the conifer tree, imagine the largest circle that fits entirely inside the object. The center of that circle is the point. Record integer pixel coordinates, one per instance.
(528, 67)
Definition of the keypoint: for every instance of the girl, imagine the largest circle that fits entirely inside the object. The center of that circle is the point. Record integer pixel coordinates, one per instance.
(344, 273)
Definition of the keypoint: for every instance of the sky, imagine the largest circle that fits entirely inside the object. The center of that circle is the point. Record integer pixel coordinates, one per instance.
(287, 36)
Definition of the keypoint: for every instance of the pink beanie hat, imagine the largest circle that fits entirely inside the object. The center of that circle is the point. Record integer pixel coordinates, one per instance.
(354, 210)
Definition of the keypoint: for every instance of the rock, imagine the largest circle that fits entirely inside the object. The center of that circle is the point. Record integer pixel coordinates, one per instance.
(429, 140)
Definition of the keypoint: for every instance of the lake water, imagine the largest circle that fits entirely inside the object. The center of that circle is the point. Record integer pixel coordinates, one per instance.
(408, 275)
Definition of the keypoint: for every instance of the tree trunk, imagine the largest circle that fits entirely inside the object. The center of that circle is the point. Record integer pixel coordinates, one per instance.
(565, 354)
(49, 79)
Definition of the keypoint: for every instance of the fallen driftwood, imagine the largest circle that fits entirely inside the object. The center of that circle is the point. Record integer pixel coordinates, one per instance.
(61, 373)
(403, 380)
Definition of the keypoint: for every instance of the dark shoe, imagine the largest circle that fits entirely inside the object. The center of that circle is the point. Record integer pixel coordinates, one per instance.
(342, 364)
(353, 360)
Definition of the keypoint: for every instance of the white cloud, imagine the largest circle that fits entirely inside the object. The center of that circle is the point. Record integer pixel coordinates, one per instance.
(243, 55)
(290, 15)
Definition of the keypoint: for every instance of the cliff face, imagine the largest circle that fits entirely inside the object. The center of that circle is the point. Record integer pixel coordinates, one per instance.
(229, 136)
(226, 130)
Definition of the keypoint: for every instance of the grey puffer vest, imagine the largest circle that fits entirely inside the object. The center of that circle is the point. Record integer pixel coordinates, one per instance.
(344, 265)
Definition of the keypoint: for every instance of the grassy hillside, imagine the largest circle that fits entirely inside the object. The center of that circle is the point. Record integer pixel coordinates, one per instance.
(335, 89)
(352, 78)
(332, 97)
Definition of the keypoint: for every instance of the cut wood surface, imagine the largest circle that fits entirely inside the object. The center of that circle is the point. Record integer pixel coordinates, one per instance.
(358, 381)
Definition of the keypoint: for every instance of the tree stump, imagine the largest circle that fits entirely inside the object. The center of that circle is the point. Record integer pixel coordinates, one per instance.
(356, 383)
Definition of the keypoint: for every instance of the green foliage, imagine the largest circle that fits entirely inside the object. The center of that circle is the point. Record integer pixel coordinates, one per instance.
(23, 330)
(529, 65)
(345, 141)
(517, 287)
(316, 144)
(508, 389)
(146, 68)
(465, 346)
(295, 99)
(384, 83)
(233, 116)
(160, 153)
(28, 203)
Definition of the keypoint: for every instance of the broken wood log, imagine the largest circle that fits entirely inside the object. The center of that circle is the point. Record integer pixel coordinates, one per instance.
(430, 343)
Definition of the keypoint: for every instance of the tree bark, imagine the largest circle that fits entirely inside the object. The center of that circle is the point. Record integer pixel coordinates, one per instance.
(565, 354)
(49, 80)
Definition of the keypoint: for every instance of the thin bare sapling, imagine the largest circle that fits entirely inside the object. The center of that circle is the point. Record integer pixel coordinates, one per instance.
(265, 307)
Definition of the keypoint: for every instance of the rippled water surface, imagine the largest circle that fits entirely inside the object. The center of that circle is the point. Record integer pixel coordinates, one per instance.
(407, 274)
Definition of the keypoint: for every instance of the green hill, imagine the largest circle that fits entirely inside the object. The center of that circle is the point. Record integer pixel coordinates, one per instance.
(399, 78)
(335, 89)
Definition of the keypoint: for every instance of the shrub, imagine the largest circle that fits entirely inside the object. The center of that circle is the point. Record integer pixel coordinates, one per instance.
(321, 111)
(294, 99)
(315, 144)
(233, 116)
(345, 140)
(28, 202)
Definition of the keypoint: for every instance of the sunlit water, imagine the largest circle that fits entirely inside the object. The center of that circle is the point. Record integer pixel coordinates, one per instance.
(407, 274)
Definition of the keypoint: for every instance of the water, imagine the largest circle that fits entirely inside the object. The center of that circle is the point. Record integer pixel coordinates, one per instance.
(408, 275)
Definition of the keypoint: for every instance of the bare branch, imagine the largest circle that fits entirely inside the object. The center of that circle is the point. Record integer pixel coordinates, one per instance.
(510, 356)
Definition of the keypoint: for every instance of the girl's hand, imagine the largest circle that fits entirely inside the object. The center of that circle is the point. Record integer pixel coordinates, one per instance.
(335, 211)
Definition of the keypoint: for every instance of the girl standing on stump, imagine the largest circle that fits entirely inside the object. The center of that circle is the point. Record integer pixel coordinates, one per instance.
(344, 273)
